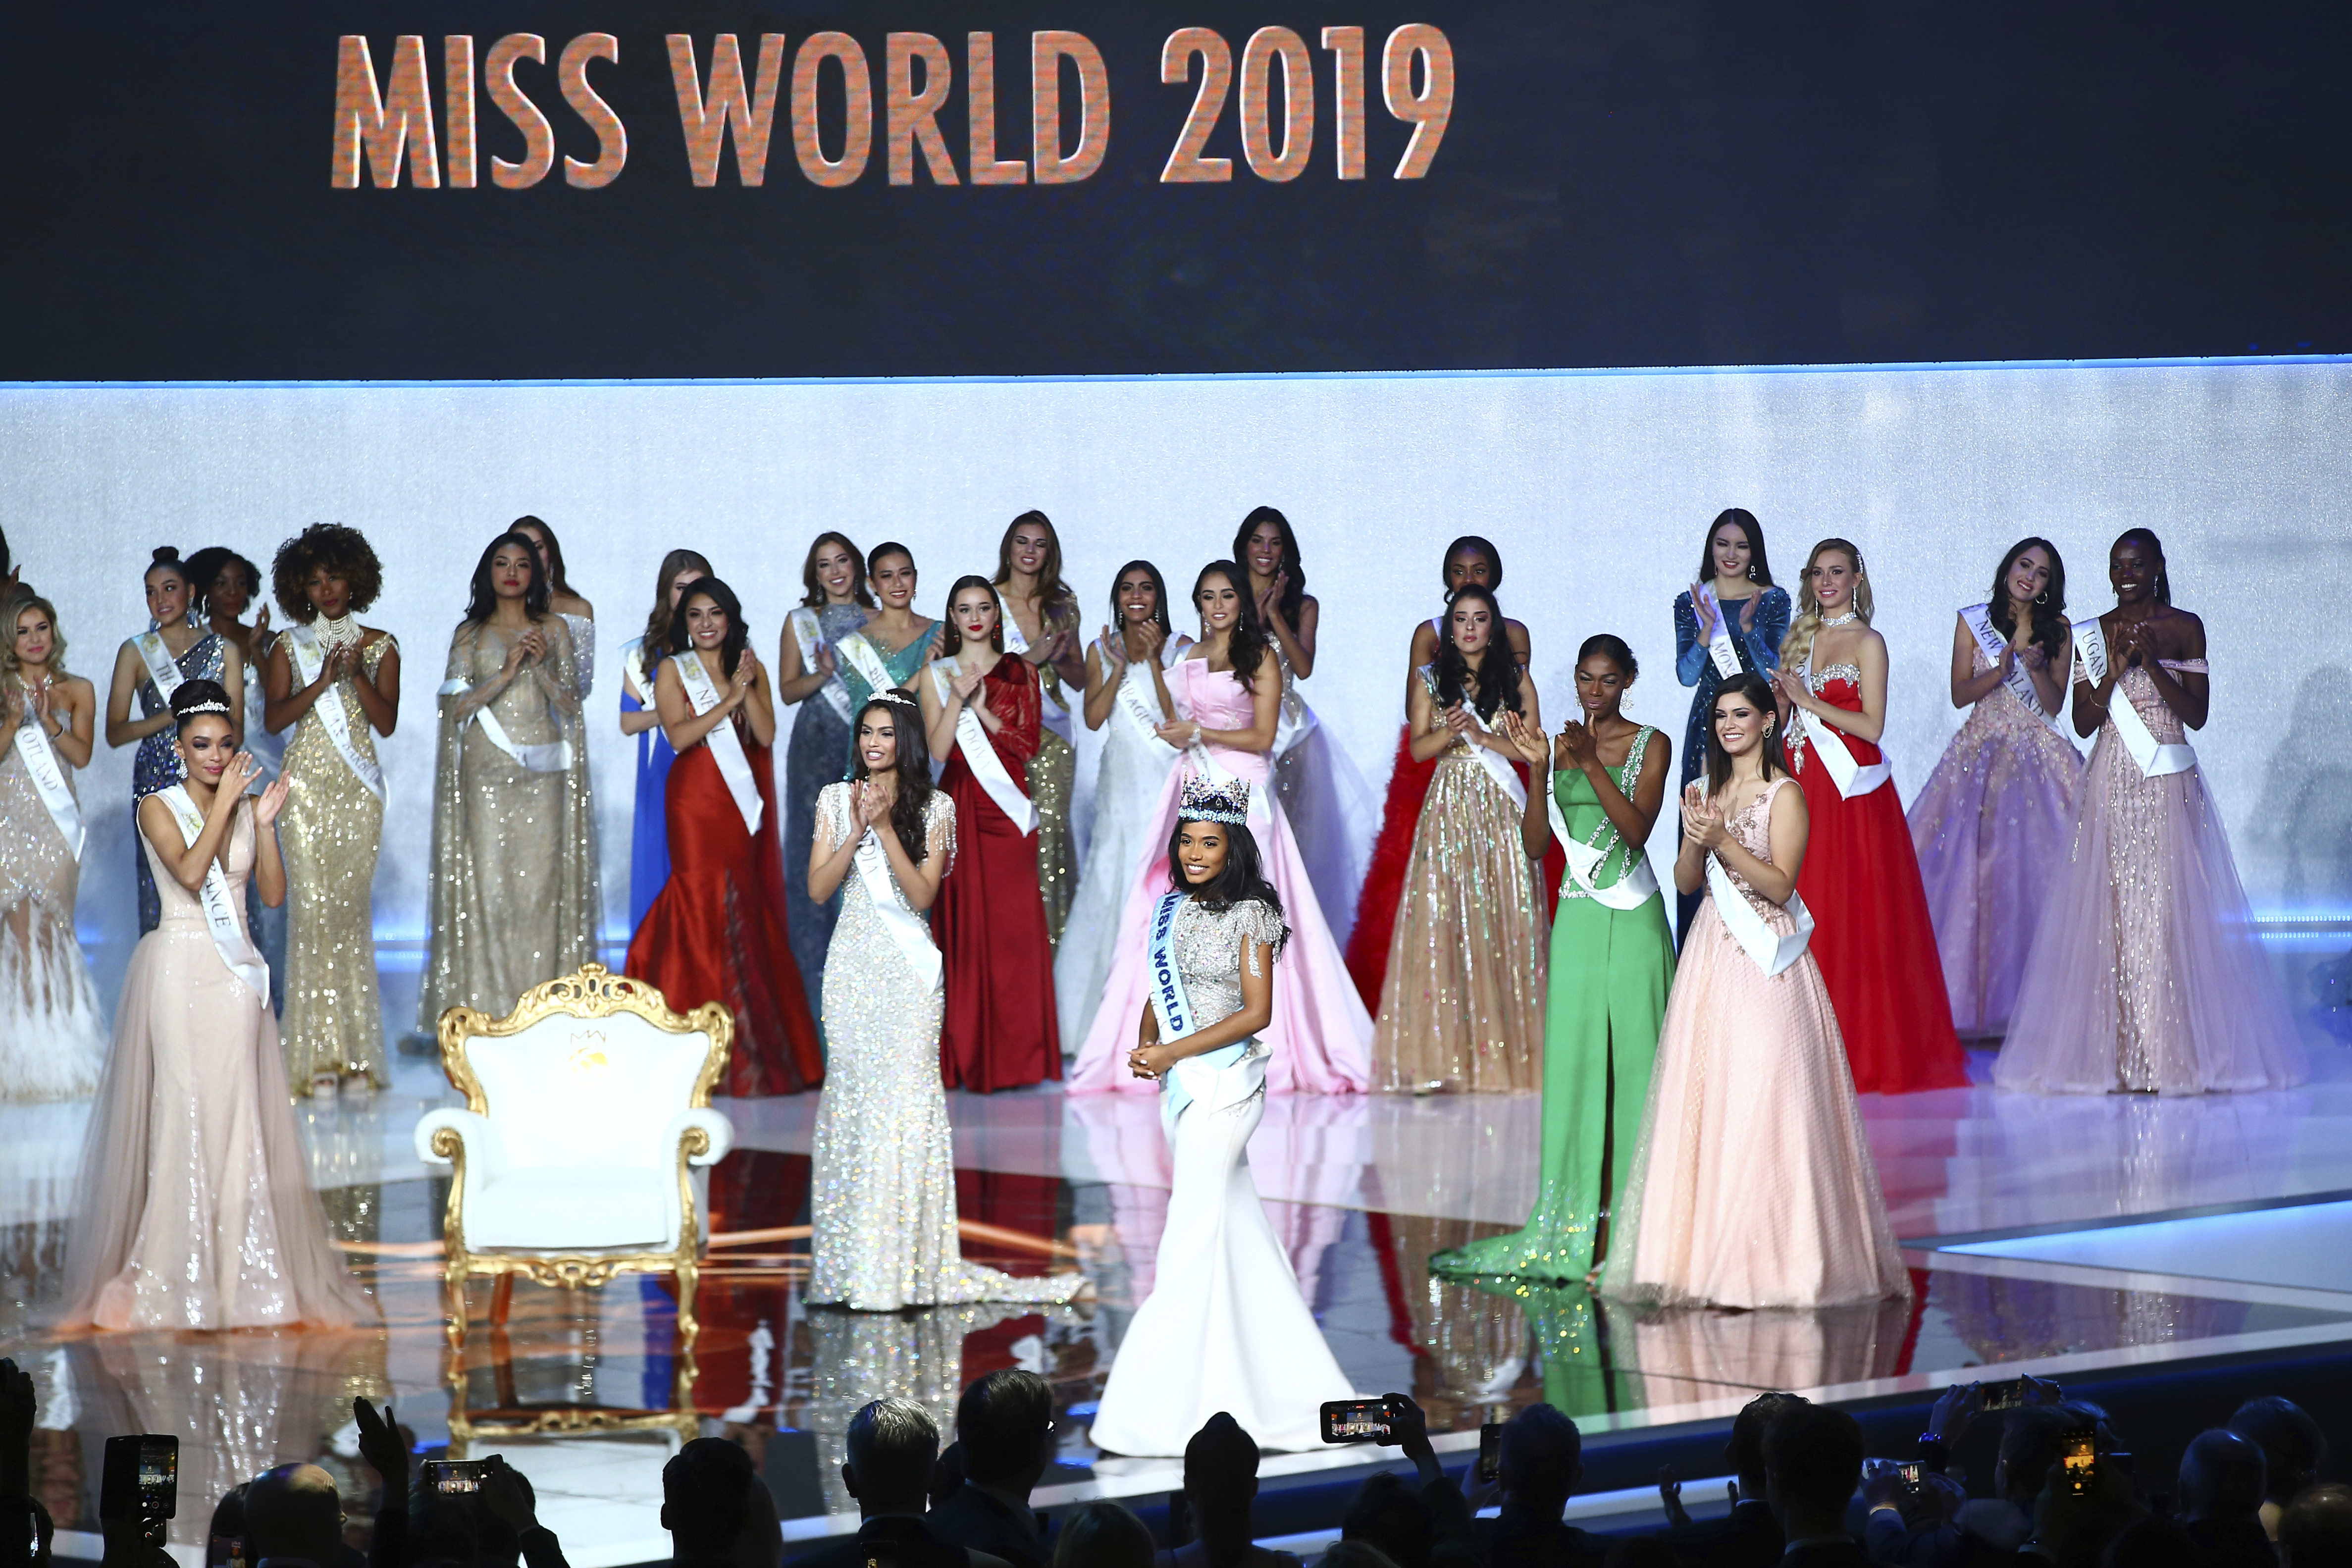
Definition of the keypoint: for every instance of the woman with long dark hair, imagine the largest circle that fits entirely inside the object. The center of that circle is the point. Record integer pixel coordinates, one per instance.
(640, 657)
(337, 684)
(579, 614)
(891, 648)
(1226, 695)
(834, 603)
(1732, 617)
(2148, 973)
(151, 667)
(981, 712)
(882, 1193)
(1120, 693)
(1461, 1007)
(1225, 1325)
(717, 933)
(1041, 625)
(513, 887)
(1996, 815)
(1752, 1184)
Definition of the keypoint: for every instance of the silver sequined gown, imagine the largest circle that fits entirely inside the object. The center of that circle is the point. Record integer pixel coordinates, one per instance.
(883, 1207)
(52, 1036)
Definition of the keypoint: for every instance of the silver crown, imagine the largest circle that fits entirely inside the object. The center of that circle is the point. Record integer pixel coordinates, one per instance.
(208, 707)
(1214, 800)
(893, 695)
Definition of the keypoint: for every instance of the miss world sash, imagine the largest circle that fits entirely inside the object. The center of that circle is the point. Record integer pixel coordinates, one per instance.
(229, 938)
(1850, 777)
(809, 632)
(1978, 618)
(972, 740)
(49, 777)
(1201, 1078)
(905, 928)
(333, 717)
(726, 746)
(2156, 758)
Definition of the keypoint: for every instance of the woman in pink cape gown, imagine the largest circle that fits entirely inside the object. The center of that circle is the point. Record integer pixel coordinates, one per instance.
(1321, 1035)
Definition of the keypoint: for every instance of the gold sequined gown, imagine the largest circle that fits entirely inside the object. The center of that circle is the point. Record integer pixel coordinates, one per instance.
(1053, 777)
(514, 894)
(52, 1036)
(1462, 1000)
(329, 832)
(882, 1199)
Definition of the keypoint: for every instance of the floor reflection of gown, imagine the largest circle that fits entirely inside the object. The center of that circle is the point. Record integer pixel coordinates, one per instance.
(2149, 975)
(1475, 1340)
(52, 1035)
(648, 818)
(196, 1204)
(156, 764)
(1990, 826)
(816, 755)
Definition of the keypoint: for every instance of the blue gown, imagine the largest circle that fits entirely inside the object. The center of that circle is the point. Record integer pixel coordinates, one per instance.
(649, 825)
(818, 756)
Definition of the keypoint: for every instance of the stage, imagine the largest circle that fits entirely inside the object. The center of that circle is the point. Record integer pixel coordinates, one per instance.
(2061, 1236)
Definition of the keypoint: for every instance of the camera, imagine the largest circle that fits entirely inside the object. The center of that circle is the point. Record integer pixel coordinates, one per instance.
(1490, 1452)
(1357, 1421)
(141, 1479)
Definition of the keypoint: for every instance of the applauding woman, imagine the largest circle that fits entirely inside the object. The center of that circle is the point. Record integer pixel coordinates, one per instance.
(52, 1036)
(579, 616)
(981, 712)
(1731, 618)
(834, 603)
(640, 657)
(1752, 1184)
(717, 933)
(1041, 625)
(513, 887)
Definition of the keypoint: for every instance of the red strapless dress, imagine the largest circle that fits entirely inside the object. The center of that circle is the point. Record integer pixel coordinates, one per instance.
(1872, 935)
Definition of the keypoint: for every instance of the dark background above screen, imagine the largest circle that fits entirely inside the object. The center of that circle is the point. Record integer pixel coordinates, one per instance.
(1622, 183)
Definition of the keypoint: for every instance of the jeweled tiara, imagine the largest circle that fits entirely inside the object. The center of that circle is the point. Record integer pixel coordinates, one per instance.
(1214, 800)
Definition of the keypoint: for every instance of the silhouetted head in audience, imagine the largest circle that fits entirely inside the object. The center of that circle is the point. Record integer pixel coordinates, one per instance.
(717, 1509)
(1344, 1553)
(293, 1511)
(1640, 1552)
(1103, 1535)
(1389, 1515)
(2316, 1530)
(2220, 1478)
(1542, 1459)
(2029, 1447)
(1005, 1424)
(892, 1448)
(1744, 1449)
(1220, 1483)
(2152, 1542)
(2294, 1447)
(442, 1527)
(1812, 1461)
(227, 1527)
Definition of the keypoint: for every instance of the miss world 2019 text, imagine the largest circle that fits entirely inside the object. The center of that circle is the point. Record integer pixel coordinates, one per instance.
(385, 122)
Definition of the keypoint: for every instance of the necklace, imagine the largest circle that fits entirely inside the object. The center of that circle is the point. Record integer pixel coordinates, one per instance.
(1847, 619)
(339, 632)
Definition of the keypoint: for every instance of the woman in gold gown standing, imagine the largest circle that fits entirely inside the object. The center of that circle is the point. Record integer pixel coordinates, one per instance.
(338, 683)
(1041, 625)
(513, 889)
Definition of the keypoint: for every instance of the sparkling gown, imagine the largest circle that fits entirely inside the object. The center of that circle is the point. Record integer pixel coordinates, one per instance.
(882, 1201)
(1992, 822)
(1611, 970)
(1053, 780)
(2148, 974)
(902, 666)
(816, 755)
(512, 889)
(1384, 873)
(1321, 1035)
(1753, 1184)
(269, 926)
(1873, 938)
(1225, 1327)
(52, 1035)
(329, 832)
(156, 764)
(648, 816)
(1128, 785)
(197, 1210)
(1462, 1000)
(583, 650)
(1760, 653)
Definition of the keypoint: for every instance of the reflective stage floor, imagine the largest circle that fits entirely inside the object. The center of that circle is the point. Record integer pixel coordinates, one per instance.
(2026, 1222)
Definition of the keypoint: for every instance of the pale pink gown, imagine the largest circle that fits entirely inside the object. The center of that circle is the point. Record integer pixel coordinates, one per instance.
(197, 1210)
(1752, 1184)
(1321, 1035)
(2148, 974)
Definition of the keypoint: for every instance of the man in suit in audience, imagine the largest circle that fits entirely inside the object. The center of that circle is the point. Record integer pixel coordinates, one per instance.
(892, 1448)
(1541, 1462)
(1812, 1461)
(718, 1512)
(1004, 1428)
(1748, 1536)
(2221, 1488)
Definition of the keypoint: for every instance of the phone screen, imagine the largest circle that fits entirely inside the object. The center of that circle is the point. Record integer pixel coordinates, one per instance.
(2080, 1460)
(1355, 1420)
(141, 1478)
(455, 1475)
(1909, 1471)
(2009, 1395)
(1490, 1451)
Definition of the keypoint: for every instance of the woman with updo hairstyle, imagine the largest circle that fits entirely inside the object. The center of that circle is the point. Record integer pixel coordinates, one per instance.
(717, 933)
(225, 586)
(195, 1207)
(337, 683)
(150, 667)
(1461, 1004)
(2148, 974)
(1611, 964)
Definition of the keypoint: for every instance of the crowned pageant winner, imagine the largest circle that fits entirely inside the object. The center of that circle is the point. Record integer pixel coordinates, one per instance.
(1225, 1328)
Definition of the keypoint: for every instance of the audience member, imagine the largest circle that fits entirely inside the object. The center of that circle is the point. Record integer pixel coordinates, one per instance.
(2221, 1501)
(1747, 1536)
(1347, 1553)
(1542, 1460)
(717, 1512)
(507, 1527)
(1388, 1513)
(1640, 1552)
(1219, 1485)
(1102, 1535)
(2029, 1447)
(2152, 1542)
(1812, 1461)
(293, 1516)
(1004, 1428)
(2316, 1530)
(2293, 1448)
(893, 1448)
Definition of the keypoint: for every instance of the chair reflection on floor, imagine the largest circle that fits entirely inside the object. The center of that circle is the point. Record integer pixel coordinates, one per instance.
(551, 1384)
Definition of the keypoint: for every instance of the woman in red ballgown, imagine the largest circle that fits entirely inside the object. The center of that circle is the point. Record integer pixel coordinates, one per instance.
(981, 712)
(1873, 936)
(716, 931)
(1468, 559)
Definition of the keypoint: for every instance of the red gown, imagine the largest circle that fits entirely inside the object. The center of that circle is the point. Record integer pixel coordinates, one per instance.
(716, 931)
(1871, 935)
(1000, 1031)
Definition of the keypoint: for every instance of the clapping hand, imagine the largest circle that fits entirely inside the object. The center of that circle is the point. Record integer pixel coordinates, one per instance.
(1152, 637)
(964, 682)
(1114, 652)
(1703, 611)
(822, 665)
(1269, 598)
(747, 674)
(261, 627)
(270, 802)
(2033, 655)
(1703, 820)
(1527, 740)
(873, 804)
(242, 770)
(1578, 747)
(1456, 718)
(1790, 684)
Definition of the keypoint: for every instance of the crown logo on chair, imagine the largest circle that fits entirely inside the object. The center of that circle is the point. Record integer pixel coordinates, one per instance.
(1214, 800)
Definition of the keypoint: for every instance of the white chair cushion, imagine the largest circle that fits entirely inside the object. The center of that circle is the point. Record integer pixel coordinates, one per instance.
(566, 1207)
(587, 1092)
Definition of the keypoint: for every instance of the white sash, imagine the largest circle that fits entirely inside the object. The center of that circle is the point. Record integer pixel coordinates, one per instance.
(905, 928)
(1637, 886)
(49, 780)
(639, 678)
(726, 745)
(809, 632)
(1168, 999)
(229, 938)
(1051, 711)
(1141, 706)
(303, 643)
(980, 757)
(2155, 760)
(162, 668)
(1497, 766)
(1771, 950)
(546, 757)
(867, 659)
(1850, 777)
(1978, 618)
(1718, 646)
(1294, 720)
